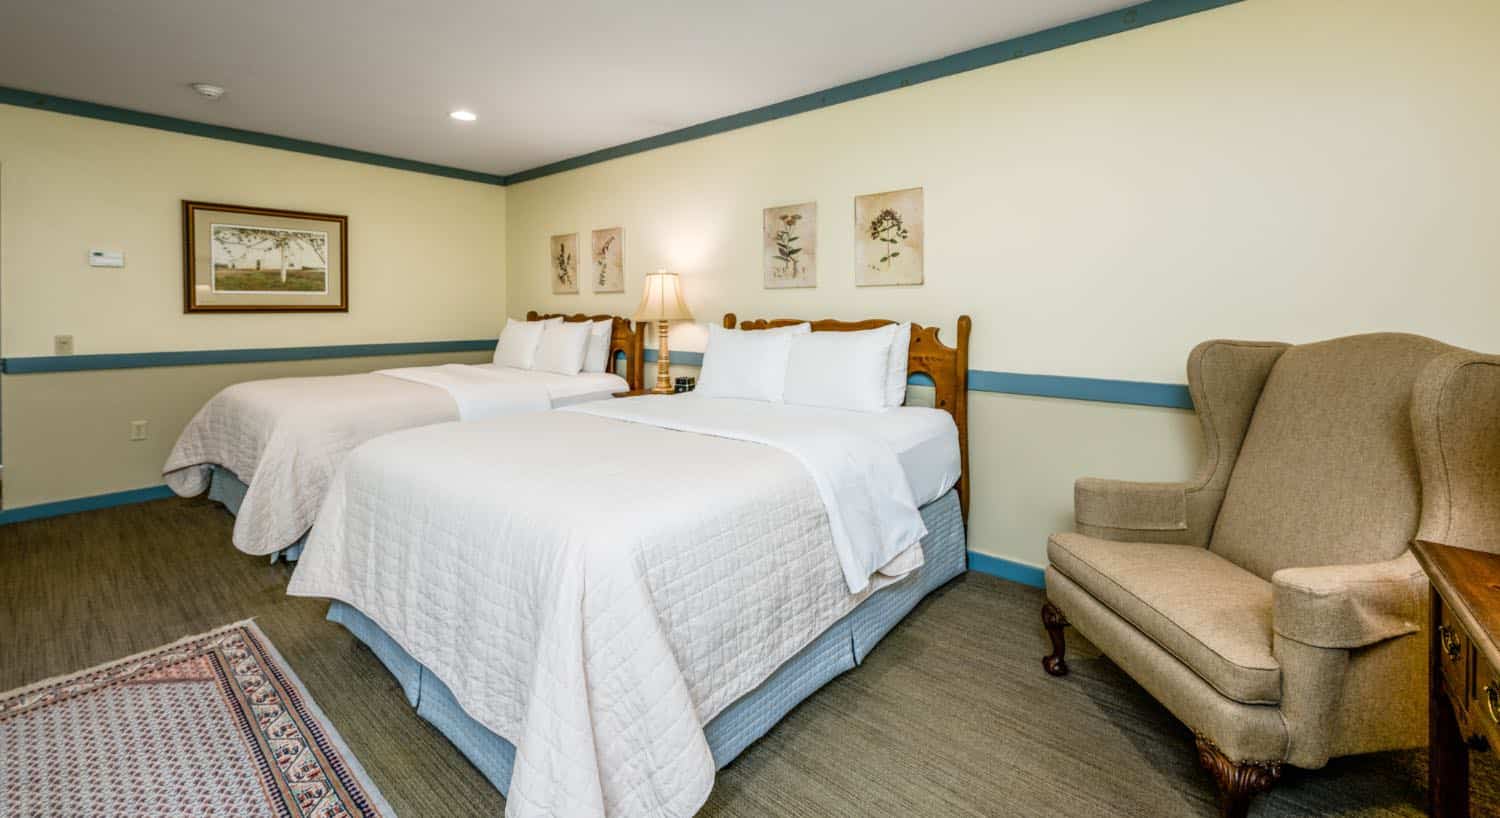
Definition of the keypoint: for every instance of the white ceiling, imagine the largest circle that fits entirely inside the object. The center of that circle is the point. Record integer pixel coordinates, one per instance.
(548, 80)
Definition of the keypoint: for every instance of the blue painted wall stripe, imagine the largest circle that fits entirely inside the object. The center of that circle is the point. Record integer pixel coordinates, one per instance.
(118, 498)
(125, 116)
(198, 357)
(1007, 569)
(1138, 393)
(1144, 14)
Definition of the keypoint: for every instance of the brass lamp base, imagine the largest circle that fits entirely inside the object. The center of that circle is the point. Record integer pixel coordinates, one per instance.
(663, 362)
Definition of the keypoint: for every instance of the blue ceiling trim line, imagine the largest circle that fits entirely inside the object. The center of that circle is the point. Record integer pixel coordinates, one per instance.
(118, 498)
(1103, 25)
(199, 357)
(1007, 569)
(125, 116)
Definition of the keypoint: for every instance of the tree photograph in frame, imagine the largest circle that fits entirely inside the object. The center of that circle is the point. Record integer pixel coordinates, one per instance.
(789, 246)
(563, 254)
(255, 259)
(888, 238)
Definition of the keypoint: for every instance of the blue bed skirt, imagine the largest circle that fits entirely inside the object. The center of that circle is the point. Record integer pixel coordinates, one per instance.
(840, 648)
(226, 488)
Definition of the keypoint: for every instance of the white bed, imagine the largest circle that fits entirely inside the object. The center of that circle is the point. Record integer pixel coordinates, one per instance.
(596, 604)
(285, 438)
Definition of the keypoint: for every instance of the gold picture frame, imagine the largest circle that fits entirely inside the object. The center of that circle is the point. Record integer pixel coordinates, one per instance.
(259, 259)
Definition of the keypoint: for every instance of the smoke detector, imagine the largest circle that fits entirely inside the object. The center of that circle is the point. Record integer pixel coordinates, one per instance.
(208, 90)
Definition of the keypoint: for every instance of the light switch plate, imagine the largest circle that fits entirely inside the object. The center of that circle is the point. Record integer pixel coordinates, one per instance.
(62, 344)
(106, 258)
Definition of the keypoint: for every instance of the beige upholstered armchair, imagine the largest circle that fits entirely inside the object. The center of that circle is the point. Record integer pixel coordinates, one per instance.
(1272, 602)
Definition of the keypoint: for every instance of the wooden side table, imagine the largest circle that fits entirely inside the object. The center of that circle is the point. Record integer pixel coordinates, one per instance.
(632, 393)
(1463, 668)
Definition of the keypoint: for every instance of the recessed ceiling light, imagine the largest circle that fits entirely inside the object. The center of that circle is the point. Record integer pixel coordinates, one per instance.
(208, 89)
(464, 116)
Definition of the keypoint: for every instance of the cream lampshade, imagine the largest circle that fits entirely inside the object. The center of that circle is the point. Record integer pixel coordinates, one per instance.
(662, 302)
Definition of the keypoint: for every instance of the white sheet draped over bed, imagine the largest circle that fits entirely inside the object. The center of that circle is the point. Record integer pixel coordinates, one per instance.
(594, 609)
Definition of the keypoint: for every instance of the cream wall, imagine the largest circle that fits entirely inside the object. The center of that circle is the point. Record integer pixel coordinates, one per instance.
(426, 263)
(1278, 169)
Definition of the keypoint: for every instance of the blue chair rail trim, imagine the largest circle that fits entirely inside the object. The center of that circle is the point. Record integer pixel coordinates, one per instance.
(1136, 393)
(1007, 569)
(196, 357)
(1103, 25)
(118, 498)
(125, 116)
(1106, 390)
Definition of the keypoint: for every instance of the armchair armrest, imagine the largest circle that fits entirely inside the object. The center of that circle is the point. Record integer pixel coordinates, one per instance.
(1131, 506)
(1349, 606)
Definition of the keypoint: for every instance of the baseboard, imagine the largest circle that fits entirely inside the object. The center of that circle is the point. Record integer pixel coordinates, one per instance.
(77, 504)
(1006, 569)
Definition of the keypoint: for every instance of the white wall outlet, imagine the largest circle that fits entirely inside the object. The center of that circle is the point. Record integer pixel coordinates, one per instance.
(137, 430)
(62, 344)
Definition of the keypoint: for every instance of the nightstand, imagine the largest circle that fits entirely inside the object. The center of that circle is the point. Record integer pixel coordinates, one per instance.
(632, 393)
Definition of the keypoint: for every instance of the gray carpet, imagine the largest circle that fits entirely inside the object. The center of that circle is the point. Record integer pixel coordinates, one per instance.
(951, 714)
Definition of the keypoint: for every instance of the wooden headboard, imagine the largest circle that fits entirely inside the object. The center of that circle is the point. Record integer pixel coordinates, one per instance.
(948, 367)
(624, 337)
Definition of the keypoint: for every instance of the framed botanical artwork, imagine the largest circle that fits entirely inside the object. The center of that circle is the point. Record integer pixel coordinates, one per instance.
(256, 259)
(789, 246)
(564, 254)
(608, 274)
(888, 238)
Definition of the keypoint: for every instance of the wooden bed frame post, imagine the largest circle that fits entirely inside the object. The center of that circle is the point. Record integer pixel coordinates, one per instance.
(948, 367)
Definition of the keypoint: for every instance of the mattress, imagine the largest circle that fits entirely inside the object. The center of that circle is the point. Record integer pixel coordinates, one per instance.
(836, 650)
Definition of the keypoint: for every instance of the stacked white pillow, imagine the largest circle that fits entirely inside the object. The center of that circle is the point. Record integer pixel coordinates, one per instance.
(747, 364)
(840, 370)
(562, 347)
(596, 359)
(518, 342)
(862, 371)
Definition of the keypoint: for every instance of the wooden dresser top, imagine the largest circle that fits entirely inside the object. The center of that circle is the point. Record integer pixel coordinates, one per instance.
(1469, 581)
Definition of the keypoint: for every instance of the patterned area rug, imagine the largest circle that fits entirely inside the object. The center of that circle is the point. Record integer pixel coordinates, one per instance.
(214, 724)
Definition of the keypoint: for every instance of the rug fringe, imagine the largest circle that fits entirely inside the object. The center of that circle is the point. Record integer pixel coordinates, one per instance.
(59, 679)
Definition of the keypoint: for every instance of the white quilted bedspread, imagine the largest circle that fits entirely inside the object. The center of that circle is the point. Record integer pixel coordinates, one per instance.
(285, 437)
(594, 602)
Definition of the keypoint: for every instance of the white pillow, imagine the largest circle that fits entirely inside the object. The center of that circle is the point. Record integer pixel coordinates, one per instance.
(517, 346)
(841, 370)
(747, 364)
(895, 384)
(596, 359)
(562, 347)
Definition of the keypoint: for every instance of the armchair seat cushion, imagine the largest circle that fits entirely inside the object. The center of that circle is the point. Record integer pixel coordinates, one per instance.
(1209, 613)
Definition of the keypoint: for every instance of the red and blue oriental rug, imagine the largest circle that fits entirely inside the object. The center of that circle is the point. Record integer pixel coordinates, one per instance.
(214, 724)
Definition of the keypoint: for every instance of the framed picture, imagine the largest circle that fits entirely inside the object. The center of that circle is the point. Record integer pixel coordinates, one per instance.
(564, 255)
(608, 273)
(888, 235)
(789, 246)
(256, 259)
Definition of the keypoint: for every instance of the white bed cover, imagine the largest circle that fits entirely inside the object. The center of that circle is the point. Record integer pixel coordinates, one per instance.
(285, 437)
(595, 603)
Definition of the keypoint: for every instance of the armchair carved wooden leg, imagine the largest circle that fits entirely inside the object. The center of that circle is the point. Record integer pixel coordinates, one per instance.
(1238, 781)
(1054, 621)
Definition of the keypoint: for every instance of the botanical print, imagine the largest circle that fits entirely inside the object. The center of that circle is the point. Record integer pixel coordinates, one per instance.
(609, 260)
(564, 255)
(789, 240)
(268, 260)
(888, 238)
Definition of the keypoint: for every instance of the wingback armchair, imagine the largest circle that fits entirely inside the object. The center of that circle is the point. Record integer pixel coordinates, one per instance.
(1272, 602)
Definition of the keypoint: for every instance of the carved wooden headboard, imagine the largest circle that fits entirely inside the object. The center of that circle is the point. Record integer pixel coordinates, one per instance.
(948, 367)
(624, 337)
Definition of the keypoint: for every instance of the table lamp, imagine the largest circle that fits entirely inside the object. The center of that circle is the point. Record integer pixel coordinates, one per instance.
(662, 302)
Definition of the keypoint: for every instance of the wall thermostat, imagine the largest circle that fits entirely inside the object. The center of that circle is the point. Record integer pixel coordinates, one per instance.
(106, 258)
